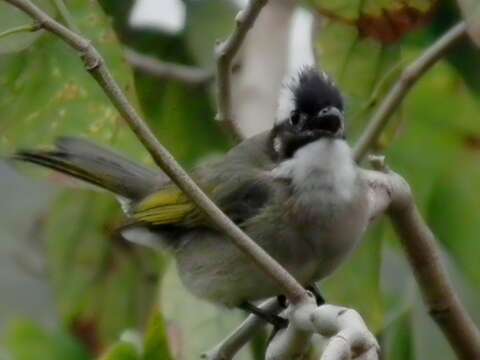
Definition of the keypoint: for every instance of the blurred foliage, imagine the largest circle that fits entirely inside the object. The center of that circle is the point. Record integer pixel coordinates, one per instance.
(106, 289)
(156, 341)
(28, 341)
(174, 111)
(103, 286)
(54, 95)
(436, 127)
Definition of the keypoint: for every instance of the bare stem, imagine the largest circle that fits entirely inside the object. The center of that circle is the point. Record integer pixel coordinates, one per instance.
(189, 75)
(94, 63)
(389, 192)
(407, 80)
(225, 54)
(242, 334)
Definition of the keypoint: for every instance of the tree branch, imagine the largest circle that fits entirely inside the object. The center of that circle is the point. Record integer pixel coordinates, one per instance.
(349, 337)
(389, 192)
(95, 64)
(407, 80)
(225, 54)
(242, 334)
(188, 75)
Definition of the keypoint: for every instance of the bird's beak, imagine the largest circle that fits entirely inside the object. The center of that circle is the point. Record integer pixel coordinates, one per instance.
(331, 120)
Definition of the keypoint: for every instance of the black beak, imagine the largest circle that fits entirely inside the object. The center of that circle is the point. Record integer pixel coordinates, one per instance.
(329, 121)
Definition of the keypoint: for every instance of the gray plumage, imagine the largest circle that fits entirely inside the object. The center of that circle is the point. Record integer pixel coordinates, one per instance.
(295, 190)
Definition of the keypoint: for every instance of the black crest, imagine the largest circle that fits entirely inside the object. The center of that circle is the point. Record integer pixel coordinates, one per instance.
(313, 91)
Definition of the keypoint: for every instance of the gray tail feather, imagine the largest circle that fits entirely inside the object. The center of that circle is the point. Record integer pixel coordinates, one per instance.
(96, 165)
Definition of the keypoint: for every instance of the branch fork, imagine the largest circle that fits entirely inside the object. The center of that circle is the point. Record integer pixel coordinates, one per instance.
(349, 337)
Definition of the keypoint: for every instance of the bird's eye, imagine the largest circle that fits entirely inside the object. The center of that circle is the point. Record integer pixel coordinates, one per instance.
(294, 118)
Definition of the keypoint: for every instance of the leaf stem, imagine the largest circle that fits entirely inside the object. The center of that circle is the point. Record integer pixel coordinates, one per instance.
(19, 29)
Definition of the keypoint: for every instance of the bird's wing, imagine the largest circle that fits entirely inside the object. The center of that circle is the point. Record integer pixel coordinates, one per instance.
(240, 198)
(238, 184)
(166, 206)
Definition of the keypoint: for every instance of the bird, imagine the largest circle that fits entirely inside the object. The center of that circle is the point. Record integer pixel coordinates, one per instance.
(294, 189)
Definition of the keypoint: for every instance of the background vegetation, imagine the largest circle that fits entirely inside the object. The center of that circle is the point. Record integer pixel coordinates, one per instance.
(71, 289)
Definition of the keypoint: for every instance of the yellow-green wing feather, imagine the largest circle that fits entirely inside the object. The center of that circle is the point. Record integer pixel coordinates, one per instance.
(167, 206)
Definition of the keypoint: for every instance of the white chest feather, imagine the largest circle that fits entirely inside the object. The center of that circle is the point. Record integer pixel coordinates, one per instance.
(328, 201)
(320, 173)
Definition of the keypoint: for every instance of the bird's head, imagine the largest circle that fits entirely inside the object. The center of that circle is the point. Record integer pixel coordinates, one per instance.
(310, 108)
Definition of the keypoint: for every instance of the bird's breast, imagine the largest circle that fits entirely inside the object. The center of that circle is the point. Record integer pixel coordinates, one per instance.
(328, 200)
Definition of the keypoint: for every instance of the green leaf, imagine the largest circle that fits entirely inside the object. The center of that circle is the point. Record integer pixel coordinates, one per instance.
(439, 127)
(465, 56)
(363, 68)
(11, 17)
(26, 340)
(400, 339)
(156, 341)
(453, 213)
(103, 285)
(46, 92)
(183, 119)
(121, 351)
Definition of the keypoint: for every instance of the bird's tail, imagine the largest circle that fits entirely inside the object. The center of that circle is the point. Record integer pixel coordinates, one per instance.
(96, 165)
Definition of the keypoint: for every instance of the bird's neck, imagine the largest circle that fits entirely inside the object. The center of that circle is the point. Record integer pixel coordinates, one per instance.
(323, 165)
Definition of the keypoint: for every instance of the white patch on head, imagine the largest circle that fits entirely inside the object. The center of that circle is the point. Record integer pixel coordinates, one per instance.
(286, 103)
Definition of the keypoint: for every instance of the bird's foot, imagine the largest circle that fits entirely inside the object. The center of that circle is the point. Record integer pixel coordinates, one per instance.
(282, 301)
(316, 292)
(278, 322)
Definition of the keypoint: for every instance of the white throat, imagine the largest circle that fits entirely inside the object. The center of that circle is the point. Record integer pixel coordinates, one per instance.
(324, 166)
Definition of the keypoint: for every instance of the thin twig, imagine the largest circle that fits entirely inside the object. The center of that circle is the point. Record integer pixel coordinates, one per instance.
(389, 192)
(242, 334)
(407, 80)
(225, 54)
(65, 15)
(20, 29)
(189, 75)
(94, 63)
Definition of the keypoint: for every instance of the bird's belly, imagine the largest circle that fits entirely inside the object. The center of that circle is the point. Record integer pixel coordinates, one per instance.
(213, 268)
(334, 231)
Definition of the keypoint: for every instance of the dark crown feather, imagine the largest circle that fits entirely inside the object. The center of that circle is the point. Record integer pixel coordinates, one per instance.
(312, 91)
